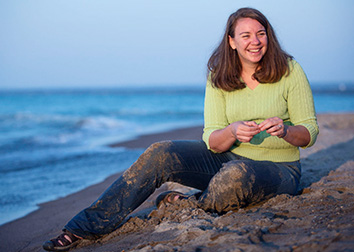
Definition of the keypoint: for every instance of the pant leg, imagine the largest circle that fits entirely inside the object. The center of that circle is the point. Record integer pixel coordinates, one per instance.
(243, 182)
(185, 162)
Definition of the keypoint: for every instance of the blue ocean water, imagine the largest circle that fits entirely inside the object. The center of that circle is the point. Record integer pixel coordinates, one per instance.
(55, 142)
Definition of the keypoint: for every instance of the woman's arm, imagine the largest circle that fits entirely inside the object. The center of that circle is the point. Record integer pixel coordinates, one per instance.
(301, 110)
(296, 135)
(223, 139)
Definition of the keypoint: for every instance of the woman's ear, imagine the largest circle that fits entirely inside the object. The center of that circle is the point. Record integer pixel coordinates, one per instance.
(232, 43)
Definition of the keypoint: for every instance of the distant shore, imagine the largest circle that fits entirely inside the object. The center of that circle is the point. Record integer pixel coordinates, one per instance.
(320, 218)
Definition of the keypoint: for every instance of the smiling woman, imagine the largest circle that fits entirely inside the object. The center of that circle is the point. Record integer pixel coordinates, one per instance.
(248, 53)
(250, 151)
(250, 41)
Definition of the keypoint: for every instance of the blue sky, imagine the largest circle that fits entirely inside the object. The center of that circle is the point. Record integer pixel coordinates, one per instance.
(109, 43)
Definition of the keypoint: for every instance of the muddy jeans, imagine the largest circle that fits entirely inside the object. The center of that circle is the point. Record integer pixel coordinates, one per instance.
(228, 182)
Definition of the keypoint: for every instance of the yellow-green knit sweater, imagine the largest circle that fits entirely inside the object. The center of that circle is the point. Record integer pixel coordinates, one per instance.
(289, 99)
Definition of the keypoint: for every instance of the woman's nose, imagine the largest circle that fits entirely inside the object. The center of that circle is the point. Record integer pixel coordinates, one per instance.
(255, 40)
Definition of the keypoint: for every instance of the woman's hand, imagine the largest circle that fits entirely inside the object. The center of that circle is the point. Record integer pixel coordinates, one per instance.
(296, 135)
(274, 126)
(222, 140)
(244, 131)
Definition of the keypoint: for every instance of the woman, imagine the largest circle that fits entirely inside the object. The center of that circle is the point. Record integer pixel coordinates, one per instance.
(258, 112)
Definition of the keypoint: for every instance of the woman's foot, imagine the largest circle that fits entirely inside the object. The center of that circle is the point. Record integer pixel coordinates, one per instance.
(63, 242)
(169, 197)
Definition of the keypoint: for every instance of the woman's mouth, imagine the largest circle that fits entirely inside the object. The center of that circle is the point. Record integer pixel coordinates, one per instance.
(254, 50)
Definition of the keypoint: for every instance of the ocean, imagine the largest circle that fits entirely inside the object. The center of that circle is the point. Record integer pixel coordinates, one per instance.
(54, 142)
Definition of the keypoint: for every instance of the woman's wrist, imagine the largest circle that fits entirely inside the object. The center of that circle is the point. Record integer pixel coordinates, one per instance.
(285, 131)
(231, 129)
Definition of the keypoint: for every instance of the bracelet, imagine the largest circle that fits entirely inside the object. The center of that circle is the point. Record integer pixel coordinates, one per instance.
(285, 132)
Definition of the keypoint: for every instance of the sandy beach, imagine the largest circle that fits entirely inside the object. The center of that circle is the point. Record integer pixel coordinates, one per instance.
(319, 218)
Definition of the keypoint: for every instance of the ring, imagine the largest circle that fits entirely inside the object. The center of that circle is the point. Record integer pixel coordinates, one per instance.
(279, 126)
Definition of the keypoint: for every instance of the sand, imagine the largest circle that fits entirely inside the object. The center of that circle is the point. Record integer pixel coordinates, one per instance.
(319, 218)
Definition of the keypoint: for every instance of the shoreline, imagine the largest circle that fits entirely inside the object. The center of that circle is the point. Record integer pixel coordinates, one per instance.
(29, 232)
(144, 141)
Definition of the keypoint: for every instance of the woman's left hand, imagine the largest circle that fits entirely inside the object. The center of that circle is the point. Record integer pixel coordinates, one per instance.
(274, 126)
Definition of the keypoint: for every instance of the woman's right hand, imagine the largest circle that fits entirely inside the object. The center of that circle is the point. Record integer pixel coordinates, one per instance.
(222, 140)
(244, 131)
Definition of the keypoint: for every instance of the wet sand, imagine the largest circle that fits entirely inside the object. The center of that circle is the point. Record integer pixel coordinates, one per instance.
(319, 218)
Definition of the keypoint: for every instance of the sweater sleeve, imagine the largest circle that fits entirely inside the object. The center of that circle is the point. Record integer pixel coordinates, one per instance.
(214, 111)
(300, 102)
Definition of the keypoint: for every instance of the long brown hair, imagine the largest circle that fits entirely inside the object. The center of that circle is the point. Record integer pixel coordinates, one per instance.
(225, 66)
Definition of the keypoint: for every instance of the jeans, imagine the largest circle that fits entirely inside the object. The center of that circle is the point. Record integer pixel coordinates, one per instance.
(227, 182)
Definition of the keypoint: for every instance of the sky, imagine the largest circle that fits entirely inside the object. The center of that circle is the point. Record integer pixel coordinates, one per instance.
(112, 43)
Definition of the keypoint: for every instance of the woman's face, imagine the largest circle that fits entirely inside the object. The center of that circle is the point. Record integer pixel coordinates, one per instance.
(250, 41)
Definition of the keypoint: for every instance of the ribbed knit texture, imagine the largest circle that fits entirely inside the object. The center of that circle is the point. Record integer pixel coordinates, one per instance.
(289, 99)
